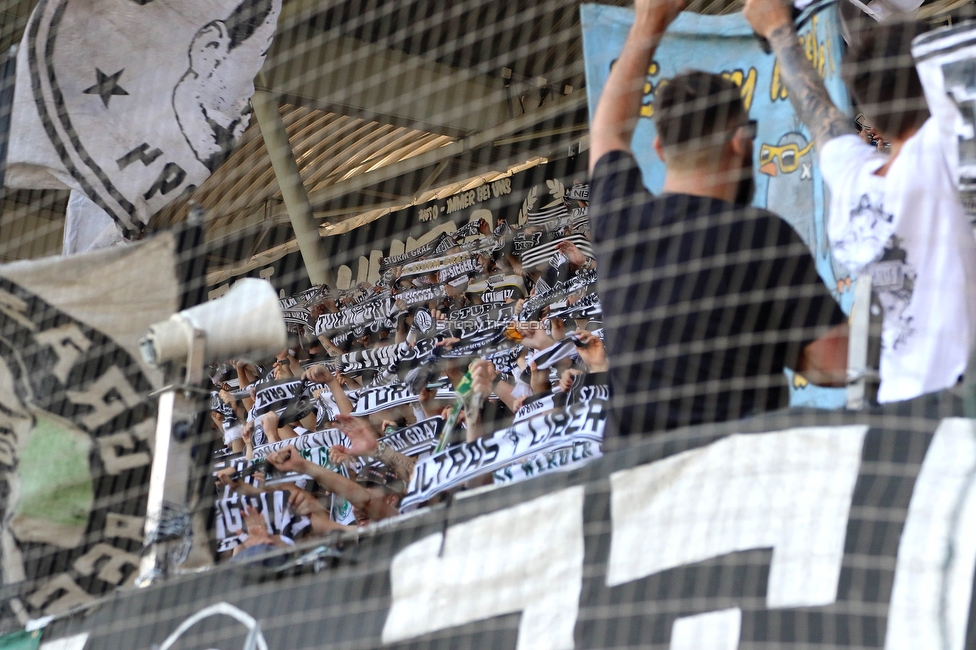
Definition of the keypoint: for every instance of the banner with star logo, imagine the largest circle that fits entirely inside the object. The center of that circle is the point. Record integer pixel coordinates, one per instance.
(132, 103)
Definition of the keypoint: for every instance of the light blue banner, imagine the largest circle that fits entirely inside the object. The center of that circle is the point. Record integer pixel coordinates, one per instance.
(788, 180)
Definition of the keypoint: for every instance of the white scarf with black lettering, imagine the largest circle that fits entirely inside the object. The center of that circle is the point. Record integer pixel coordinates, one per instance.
(464, 461)
(273, 506)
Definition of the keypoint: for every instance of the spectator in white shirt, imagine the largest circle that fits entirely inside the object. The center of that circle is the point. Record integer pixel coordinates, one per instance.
(896, 215)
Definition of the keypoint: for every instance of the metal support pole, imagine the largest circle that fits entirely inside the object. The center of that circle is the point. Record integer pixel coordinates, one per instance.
(292, 190)
(858, 344)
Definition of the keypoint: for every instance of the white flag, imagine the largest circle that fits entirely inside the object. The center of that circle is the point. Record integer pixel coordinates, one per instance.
(134, 102)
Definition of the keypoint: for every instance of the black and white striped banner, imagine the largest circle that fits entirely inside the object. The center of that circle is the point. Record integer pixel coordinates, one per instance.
(463, 462)
(543, 215)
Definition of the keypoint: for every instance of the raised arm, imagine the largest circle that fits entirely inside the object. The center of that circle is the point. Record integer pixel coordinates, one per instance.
(363, 441)
(619, 109)
(289, 460)
(771, 19)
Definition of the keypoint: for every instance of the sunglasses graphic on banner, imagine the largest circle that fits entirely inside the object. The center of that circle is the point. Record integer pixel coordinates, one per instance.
(789, 155)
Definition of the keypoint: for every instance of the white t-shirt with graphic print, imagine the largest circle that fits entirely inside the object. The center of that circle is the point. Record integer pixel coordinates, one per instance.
(908, 230)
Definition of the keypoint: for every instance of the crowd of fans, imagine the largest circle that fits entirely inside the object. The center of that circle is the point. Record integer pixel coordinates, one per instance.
(471, 334)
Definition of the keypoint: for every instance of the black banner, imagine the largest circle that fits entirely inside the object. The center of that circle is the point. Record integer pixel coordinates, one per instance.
(803, 529)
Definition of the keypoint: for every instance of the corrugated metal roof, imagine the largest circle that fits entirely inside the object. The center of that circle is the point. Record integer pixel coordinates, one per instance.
(328, 147)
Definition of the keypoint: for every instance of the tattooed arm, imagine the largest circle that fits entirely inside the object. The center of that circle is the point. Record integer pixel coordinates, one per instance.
(363, 441)
(771, 19)
(401, 465)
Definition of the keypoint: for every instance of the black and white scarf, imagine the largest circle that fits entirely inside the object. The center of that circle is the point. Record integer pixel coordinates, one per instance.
(541, 253)
(417, 439)
(470, 229)
(460, 268)
(328, 324)
(411, 256)
(586, 307)
(540, 403)
(560, 459)
(550, 356)
(373, 400)
(413, 297)
(276, 396)
(432, 264)
(581, 280)
(590, 386)
(273, 506)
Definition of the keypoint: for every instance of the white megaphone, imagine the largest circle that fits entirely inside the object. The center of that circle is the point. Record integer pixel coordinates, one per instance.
(247, 320)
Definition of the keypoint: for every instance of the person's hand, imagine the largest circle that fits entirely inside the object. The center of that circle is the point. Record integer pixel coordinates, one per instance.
(540, 379)
(362, 439)
(566, 379)
(319, 374)
(483, 375)
(766, 16)
(247, 431)
(227, 398)
(287, 460)
(572, 253)
(282, 369)
(661, 12)
(303, 503)
(222, 479)
(447, 343)
(593, 354)
(558, 328)
(254, 524)
(338, 456)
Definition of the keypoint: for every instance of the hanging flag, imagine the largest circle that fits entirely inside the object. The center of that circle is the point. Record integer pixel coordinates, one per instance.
(134, 104)
(77, 426)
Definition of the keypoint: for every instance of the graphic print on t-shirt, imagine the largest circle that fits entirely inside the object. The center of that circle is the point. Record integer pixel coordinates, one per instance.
(892, 276)
(870, 228)
(893, 282)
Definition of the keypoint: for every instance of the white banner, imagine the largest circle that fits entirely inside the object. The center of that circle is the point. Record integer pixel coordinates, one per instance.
(462, 462)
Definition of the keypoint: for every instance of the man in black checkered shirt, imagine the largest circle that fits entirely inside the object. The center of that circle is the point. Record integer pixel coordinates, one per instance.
(705, 299)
